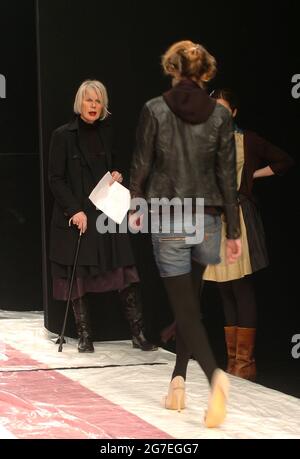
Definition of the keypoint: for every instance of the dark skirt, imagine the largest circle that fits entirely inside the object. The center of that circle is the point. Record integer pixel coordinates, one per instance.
(255, 235)
(114, 269)
(85, 282)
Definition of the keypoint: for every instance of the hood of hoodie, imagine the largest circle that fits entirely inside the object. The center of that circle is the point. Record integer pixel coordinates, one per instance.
(189, 102)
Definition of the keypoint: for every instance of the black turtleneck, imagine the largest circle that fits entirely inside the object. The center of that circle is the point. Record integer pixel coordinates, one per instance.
(90, 136)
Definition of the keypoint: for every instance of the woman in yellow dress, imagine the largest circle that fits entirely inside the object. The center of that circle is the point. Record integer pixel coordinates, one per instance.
(256, 158)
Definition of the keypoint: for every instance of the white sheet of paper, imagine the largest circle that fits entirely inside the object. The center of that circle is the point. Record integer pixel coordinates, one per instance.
(113, 200)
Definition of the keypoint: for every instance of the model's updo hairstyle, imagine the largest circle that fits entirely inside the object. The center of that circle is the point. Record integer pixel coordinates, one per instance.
(186, 59)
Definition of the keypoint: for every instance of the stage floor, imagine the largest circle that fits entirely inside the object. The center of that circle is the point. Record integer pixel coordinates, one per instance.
(116, 392)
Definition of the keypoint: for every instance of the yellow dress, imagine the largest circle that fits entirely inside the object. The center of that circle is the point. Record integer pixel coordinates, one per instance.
(226, 272)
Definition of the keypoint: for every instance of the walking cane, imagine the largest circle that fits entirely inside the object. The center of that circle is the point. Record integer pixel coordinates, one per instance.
(61, 337)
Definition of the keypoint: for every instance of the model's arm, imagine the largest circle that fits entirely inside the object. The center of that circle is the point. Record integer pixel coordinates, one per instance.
(263, 172)
(226, 174)
(143, 154)
(276, 161)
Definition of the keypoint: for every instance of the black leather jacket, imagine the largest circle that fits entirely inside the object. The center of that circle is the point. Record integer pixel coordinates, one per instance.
(174, 158)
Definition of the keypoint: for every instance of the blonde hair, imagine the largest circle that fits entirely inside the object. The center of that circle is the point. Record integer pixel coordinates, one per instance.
(101, 92)
(191, 60)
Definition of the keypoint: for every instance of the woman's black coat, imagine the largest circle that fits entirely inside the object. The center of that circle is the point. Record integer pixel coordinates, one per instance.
(73, 173)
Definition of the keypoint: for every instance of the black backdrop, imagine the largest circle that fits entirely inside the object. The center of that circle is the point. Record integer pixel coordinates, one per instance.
(20, 227)
(120, 43)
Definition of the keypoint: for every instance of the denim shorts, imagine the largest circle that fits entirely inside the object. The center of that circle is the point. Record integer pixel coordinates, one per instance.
(174, 253)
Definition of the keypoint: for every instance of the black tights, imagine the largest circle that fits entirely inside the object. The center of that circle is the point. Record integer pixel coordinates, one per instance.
(191, 339)
(239, 303)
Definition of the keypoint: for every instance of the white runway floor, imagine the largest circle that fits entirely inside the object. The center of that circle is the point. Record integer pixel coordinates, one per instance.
(116, 392)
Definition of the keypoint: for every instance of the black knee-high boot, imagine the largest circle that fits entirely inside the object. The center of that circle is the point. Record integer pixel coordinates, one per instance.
(131, 302)
(81, 314)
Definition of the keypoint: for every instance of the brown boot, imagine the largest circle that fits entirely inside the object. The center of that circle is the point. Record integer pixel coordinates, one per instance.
(230, 338)
(245, 363)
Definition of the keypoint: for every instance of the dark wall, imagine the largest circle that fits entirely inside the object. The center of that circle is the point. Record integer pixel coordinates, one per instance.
(20, 228)
(80, 40)
(121, 43)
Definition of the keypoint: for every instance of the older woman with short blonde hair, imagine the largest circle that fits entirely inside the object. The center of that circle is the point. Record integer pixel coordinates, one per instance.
(101, 92)
(80, 155)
